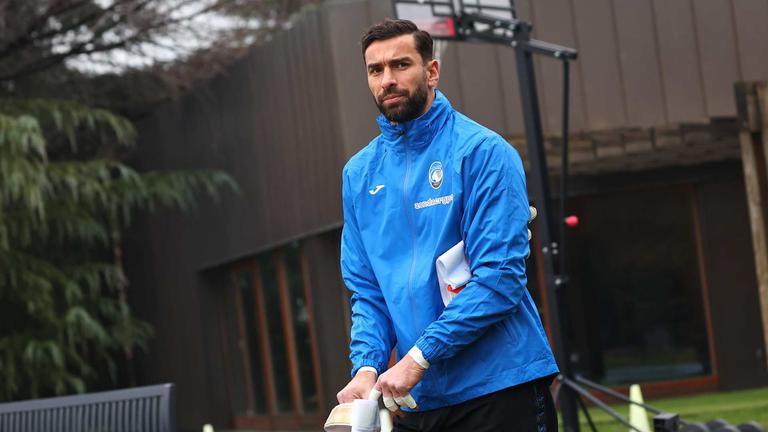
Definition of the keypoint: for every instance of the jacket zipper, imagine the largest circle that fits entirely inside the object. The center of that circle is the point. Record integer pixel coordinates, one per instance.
(412, 226)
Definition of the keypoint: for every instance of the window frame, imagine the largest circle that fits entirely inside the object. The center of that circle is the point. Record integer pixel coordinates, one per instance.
(272, 419)
(665, 387)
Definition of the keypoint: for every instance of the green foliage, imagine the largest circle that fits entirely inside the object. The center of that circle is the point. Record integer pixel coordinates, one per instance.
(65, 323)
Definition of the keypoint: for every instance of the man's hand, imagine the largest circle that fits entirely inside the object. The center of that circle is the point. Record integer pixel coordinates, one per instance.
(358, 388)
(396, 384)
(534, 213)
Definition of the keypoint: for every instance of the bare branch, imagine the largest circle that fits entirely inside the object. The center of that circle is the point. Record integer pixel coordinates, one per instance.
(164, 46)
(28, 34)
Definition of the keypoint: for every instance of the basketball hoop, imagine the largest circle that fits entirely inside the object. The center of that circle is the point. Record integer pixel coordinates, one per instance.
(437, 27)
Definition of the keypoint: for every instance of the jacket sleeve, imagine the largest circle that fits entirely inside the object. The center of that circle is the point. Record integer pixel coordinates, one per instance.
(372, 336)
(494, 228)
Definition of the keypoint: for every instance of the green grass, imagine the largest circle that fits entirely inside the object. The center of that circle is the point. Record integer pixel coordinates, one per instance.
(736, 407)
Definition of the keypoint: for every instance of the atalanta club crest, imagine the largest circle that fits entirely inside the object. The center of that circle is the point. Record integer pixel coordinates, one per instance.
(436, 174)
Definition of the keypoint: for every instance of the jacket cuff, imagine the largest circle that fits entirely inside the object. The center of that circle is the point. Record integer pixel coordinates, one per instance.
(430, 349)
(367, 369)
(418, 357)
(377, 365)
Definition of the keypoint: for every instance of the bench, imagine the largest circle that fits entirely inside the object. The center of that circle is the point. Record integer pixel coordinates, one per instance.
(139, 409)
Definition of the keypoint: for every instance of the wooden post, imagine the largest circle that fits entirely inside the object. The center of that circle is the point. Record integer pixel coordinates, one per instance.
(752, 105)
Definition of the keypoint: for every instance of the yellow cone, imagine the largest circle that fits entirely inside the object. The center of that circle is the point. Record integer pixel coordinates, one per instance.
(638, 417)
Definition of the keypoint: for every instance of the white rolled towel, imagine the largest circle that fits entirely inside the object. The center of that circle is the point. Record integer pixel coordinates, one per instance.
(452, 272)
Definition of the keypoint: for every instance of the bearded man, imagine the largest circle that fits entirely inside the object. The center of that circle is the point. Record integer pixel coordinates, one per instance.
(432, 179)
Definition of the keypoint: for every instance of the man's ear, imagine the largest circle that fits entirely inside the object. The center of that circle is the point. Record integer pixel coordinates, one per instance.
(433, 73)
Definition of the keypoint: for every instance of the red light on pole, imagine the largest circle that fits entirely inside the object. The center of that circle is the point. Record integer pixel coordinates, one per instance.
(572, 221)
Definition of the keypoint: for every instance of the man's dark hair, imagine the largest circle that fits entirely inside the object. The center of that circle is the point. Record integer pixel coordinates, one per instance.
(391, 28)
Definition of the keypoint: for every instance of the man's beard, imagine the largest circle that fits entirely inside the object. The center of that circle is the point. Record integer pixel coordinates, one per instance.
(411, 108)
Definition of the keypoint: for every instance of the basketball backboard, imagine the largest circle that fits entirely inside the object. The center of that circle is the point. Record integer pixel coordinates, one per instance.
(439, 17)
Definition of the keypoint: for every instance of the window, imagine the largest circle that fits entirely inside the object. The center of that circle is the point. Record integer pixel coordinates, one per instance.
(635, 298)
(275, 340)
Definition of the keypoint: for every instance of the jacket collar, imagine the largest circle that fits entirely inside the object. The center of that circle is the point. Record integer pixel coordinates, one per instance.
(419, 131)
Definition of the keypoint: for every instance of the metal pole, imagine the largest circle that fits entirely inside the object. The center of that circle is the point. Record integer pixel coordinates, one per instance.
(563, 271)
(539, 176)
(608, 410)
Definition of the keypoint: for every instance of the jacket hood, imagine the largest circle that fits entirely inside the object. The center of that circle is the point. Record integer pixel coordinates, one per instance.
(420, 130)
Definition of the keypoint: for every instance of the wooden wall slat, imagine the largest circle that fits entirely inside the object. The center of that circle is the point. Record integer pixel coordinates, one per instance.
(308, 108)
(555, 23)
(719, 60)
(346, 22)
(527, 10)
(679, 58)
(510, 92)
(378, 10)
(290, 75)
(450, 76)
(480, 83)
(599, 63)
(330, 159)
(268, 139)
(530, 12)
(298, 82)
(639, 62)
(751, 17)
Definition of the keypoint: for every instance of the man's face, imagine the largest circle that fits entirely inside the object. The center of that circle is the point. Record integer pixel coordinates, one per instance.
(402, 84)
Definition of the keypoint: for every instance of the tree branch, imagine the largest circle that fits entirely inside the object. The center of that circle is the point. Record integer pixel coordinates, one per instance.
(52, 60)
(27, 35)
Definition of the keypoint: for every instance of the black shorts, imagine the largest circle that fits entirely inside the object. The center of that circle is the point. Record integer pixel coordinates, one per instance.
(523, 408)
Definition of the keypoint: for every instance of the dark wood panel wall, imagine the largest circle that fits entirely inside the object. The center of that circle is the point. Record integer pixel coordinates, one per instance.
(270, 121)
(749, 18)
(639, 62)
(284, 120)
(646, 63)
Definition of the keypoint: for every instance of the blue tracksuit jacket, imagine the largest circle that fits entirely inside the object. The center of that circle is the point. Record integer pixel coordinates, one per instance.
(412, 193)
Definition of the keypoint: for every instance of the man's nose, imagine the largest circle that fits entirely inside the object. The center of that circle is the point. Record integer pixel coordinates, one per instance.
(387, 79)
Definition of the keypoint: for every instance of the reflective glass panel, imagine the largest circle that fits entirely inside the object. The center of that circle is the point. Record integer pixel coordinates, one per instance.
(300, 316)
(635, 298)
(248, 305)
(277, 342)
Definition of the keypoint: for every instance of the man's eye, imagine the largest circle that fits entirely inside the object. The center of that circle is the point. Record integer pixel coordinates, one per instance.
(402, 65)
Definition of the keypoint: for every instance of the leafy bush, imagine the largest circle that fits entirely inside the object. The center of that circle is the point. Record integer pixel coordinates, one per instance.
(65, 198)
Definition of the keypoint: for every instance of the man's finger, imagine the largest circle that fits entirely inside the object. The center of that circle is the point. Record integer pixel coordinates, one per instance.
(406, 400)
(347, 396)
(374, 394)
(389, 402)
(534, 213)
(409, 401)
